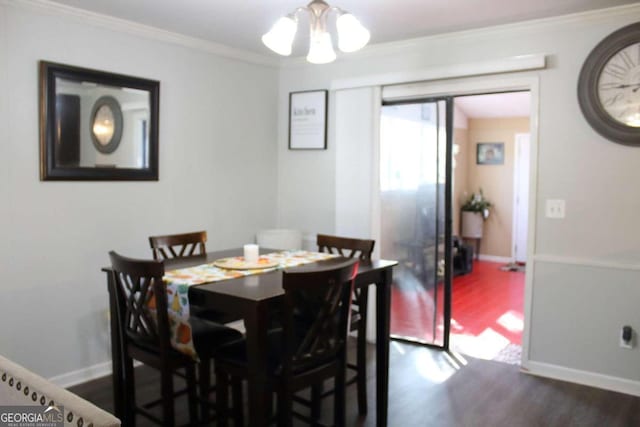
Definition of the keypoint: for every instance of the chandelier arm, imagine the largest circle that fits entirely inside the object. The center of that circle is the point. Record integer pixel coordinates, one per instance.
(318, 16)
(298, 10)
(338, 10)
(318, 9)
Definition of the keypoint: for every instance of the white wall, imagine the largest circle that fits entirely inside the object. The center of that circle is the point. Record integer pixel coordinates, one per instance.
(593, 175)
(4, 149)
(353, 147)
(217, 157)
(313, 179)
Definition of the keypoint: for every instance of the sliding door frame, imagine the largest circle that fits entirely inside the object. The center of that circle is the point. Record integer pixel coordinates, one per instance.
(448, 221)
(477, 85)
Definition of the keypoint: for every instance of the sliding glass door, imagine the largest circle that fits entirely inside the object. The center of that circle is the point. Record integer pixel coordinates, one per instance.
(415, 184)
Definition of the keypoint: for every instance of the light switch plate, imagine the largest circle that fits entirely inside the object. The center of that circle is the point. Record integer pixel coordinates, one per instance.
(555, 208)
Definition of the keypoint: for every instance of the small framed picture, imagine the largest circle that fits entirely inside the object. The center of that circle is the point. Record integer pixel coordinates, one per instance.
(308, 120)
(490, 153)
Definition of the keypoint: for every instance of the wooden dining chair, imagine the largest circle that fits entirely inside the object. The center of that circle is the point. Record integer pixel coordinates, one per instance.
(311, 346)
(362, 250)
(178, 245)
(187, 245)
(145, 336)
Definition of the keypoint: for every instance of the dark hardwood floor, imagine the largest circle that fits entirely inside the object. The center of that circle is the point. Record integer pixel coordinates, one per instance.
(431, 388)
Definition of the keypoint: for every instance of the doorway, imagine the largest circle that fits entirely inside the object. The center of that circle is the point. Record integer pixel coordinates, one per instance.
(488, 300)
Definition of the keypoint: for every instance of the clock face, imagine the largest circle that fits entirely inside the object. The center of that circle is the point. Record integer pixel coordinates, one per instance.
(619, 86)
(609, 86)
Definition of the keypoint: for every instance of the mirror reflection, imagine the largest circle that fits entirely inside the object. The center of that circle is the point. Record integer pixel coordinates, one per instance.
(101, 126)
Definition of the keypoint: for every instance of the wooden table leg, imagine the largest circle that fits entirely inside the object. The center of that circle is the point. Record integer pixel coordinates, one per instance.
(383, 304)
(259, 393)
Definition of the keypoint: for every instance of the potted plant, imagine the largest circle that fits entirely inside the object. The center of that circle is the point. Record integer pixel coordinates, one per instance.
(475, 211)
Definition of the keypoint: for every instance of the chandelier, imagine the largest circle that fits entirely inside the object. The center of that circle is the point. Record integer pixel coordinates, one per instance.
(352, 35)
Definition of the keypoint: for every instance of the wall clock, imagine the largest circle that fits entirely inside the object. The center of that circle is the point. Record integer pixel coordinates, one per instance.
(609, 86)
(106, 124)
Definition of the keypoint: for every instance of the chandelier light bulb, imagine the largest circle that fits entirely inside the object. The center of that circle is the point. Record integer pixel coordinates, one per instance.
(352, 35)
(321, 49)
(280, 38)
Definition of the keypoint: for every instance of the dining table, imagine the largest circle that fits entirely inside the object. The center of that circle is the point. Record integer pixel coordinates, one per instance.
(254, 298)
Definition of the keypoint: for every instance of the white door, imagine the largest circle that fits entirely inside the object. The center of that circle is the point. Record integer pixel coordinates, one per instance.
(521, 197)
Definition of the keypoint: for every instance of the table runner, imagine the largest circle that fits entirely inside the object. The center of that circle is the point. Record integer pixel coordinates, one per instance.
(178, 282)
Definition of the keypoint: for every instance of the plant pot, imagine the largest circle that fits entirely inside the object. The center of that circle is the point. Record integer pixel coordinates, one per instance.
(472, 223)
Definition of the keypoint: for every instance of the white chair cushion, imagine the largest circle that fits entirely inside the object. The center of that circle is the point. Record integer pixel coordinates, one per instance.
(282, 239)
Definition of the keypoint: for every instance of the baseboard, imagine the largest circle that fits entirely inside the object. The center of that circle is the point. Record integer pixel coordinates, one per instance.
(103, 369)
(493, 258)
(80, 376)
(591, 379)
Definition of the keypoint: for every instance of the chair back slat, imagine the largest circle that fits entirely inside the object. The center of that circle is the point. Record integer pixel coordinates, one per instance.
(316, 318)
(178, 245)
(346, 246)
(141, 301)
(350, 248)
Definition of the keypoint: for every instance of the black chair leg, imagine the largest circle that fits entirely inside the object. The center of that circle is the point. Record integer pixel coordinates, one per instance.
(339, 405)
(285, 408)
(168, 413)
(236, 390)
(192, 394)
(361, 356)
(204, 383)
(222, 397)
(129, 393)
(316, 400)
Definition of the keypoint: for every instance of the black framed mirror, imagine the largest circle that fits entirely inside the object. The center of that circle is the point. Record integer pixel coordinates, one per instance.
(96, 125)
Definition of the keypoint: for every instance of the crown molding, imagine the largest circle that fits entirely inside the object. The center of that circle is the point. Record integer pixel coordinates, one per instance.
(382, 49)
(140, 30)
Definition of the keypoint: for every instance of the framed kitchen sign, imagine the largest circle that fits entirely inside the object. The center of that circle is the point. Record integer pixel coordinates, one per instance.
(308, 120)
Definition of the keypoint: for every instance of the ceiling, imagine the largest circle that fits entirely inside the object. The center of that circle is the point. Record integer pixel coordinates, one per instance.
(241, 23)
(495, 105)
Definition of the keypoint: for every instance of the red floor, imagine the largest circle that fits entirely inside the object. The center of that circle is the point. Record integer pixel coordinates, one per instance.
(487, 310)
